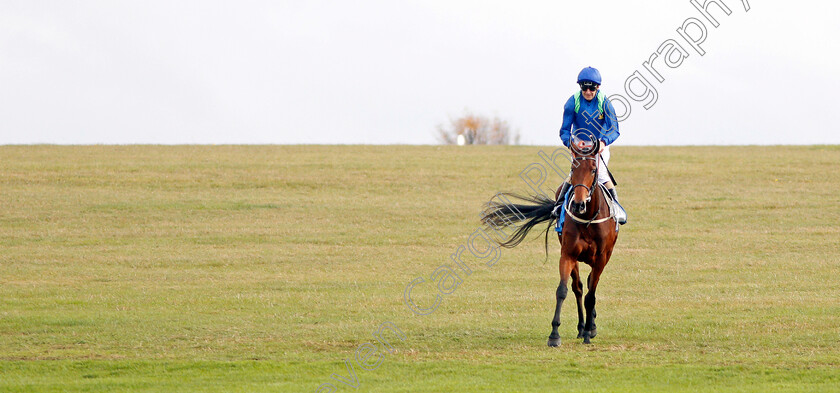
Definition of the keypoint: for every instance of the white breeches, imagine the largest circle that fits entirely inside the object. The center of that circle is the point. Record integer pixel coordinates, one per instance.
(603, 176)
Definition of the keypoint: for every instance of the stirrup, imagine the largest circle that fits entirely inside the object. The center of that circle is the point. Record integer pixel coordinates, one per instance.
(620, 213)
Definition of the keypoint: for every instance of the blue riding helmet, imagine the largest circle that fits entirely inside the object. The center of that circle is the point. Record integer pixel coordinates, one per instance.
(589, 74)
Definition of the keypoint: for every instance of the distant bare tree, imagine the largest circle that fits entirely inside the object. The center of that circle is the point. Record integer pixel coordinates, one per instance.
(477, 130)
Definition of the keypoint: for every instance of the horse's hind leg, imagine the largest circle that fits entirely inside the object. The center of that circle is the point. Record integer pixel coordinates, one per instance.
(566, 264)
(577, 289)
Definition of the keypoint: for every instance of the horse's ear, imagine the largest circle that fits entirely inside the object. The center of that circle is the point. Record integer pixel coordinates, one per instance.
(597, 145)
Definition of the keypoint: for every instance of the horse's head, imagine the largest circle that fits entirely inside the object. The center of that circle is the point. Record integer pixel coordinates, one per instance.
(584, 172)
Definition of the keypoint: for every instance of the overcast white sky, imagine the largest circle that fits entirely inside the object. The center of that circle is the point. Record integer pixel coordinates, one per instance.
(208, 71)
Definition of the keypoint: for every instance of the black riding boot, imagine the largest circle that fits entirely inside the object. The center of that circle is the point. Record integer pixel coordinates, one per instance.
(620, 214)
(558, 204)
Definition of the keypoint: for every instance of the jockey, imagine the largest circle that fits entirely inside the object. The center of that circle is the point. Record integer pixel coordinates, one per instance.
(589, 112)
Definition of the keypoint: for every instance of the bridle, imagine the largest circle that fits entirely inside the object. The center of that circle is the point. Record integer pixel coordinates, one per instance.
(589, 190)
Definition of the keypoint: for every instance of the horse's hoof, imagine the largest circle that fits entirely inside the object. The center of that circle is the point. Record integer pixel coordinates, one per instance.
(593, 333)
(554, 342)
(586, 337)
(580, 334)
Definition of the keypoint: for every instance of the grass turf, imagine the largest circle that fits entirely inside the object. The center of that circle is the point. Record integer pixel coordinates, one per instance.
(262, 268)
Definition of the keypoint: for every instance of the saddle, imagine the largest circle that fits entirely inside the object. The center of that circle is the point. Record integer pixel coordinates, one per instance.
(615, 209)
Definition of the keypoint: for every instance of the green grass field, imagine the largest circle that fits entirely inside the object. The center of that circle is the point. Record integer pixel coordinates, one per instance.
(262, 268)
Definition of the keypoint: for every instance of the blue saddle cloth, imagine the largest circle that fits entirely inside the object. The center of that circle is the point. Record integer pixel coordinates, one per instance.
(562, 217)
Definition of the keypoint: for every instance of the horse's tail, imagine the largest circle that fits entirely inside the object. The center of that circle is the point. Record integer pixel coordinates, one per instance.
(500, 214)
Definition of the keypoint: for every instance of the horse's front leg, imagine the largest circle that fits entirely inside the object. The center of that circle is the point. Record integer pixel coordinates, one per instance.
(594, 330)
(589, 302)
(566, 264)
(577, 289)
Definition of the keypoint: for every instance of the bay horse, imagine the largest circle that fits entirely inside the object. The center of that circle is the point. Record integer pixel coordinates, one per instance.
(589, 232)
